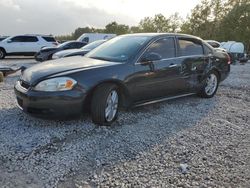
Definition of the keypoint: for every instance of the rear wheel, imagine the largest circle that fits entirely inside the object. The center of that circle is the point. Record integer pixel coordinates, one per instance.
(104, 105)
(2, 53)
(211, 85)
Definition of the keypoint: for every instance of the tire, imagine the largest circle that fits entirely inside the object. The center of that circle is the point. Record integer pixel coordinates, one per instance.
(2, 53)
(205, 91)
(103, 100)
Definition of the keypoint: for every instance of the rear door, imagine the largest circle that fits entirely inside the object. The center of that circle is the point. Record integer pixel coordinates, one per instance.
(30, 44)
(192, 61)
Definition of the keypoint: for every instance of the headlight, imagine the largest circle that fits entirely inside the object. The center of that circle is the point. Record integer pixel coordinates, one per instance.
(56, 84)
(55, 56)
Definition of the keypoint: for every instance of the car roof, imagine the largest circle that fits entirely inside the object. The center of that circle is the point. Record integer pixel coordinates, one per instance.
(163, 34)
(36, 35)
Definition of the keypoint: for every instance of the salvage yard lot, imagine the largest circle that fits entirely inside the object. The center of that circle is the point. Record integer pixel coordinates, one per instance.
(145, 147)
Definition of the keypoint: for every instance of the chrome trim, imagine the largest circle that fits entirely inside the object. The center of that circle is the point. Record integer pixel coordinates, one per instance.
(19, 106)
(163, 99)
(18, 84)
(174, 65)
(175, 58)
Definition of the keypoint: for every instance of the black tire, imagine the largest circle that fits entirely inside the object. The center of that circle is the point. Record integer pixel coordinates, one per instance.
(2, 53)
(99, 104)
(203, 93)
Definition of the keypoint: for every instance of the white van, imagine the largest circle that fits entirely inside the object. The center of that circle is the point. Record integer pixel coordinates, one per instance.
(91, 37)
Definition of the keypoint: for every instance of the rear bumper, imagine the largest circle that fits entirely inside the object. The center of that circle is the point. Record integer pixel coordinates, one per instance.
(62, 105)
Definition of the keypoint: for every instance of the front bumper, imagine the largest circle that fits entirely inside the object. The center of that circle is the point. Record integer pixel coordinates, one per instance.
(61, 104)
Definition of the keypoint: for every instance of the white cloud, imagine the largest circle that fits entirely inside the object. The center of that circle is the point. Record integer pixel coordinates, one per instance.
(64, 16)
(9, 4)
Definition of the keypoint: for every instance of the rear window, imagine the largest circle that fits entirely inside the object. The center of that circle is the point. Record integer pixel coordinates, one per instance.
(49, 39)
(189, 47)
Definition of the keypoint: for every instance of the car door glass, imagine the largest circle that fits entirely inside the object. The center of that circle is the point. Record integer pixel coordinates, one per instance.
(16, 39)
(165, 48)
(189, 47)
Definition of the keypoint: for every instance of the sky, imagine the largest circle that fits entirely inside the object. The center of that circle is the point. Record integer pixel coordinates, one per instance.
(59, 17)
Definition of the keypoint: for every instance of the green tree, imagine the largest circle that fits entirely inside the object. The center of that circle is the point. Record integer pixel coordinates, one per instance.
(116, 28)
(158, 23)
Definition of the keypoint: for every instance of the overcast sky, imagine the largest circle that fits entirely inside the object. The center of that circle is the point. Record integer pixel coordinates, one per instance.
(59, 17)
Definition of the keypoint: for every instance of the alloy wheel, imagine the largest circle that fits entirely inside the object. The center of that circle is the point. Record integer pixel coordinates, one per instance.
(1, 54)
(111, 106)
(211, 82)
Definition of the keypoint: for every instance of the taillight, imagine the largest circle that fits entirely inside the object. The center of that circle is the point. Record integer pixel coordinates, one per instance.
(228, 59)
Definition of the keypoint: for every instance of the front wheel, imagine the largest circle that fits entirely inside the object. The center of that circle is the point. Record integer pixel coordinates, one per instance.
(104, 105)
(211, 85)
(2, 54)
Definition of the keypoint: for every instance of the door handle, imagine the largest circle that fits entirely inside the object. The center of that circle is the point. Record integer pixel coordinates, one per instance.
(172, 65)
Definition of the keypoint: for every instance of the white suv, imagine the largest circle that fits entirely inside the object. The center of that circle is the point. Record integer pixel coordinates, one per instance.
(25, 44)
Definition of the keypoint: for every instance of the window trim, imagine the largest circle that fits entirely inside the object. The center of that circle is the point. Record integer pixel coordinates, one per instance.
(147, 47)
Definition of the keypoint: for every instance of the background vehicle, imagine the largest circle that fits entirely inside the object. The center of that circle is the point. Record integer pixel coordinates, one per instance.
(213, 43)
(236, 50)
(46, 53)
(128, 70)
(82, 51)
(25, 44)
(2, 37)
(91, 37)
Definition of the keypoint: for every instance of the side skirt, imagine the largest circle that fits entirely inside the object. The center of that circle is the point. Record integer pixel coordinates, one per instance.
(161, 100)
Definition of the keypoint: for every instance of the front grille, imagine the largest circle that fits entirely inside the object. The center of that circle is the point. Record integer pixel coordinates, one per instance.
(24, 84)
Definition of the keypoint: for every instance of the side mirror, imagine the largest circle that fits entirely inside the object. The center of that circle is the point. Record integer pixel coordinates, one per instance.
(9, 41)
(149, 58)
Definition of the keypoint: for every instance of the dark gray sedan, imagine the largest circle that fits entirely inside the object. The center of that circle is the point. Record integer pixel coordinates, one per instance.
(128, 70)
(46, 53)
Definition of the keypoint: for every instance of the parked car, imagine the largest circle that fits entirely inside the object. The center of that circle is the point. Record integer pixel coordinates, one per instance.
(26, 45)
(46, 53)
(91, 37)
(129, 70)
(213, 43)
(2, 38)
(82, 51)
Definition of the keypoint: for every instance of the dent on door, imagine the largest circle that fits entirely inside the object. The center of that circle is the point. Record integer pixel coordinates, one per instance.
(192, 68)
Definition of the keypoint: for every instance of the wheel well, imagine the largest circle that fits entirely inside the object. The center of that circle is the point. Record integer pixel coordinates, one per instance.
(122, 91)
(3, 49)
(218, 73)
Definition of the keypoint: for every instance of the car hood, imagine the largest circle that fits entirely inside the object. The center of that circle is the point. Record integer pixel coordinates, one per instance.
(66, 52)
(42, 71)
(46, 49)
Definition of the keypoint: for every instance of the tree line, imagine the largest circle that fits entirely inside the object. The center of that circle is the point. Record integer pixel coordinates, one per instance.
(221, 20)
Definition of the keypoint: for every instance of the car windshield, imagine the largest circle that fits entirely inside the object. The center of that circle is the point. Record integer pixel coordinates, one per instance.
(119, 49)
(64, 44)
(93, 45)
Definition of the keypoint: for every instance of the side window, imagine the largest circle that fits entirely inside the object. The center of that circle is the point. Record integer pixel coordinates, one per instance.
(24, 39)
(49, 39)
(163, 47)
(86, 39)
(16, 39)
(79, 45)
(189, 47)
(30, 39)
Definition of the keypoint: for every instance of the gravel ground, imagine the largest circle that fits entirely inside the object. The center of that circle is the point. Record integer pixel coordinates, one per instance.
(189, 142)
